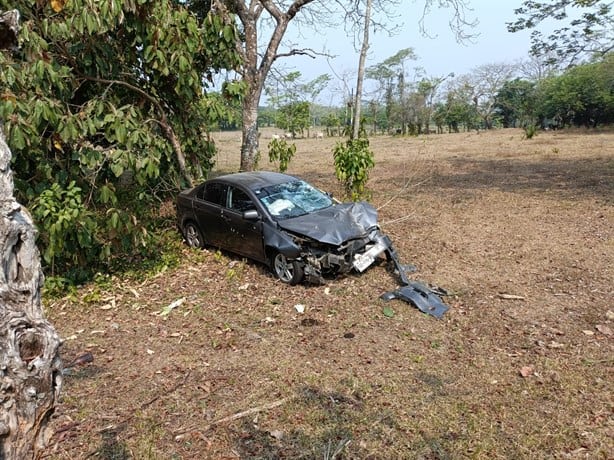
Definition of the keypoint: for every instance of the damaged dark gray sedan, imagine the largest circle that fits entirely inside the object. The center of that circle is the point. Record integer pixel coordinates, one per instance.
(300, 232)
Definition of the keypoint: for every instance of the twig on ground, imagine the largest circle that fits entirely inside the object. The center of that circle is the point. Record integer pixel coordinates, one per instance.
(400, 219)
(172, 390)
(238, 415)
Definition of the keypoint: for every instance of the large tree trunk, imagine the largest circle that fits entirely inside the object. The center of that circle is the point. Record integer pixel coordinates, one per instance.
(30, 366)
(249, 136)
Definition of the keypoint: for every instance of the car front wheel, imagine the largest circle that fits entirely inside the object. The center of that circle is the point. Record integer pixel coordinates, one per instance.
(193, 236)
(288, 271)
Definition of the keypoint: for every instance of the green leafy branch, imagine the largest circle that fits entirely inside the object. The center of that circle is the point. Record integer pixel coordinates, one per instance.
(353, 162)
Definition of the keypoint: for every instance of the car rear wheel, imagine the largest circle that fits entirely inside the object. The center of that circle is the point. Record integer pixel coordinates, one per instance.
(193, 236)
(288, 271)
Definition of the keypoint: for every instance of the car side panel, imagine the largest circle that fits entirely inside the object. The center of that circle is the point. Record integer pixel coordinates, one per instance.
(209, 220)
(243, 236)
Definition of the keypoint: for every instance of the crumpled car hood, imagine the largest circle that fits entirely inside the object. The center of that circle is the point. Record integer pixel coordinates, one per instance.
(334, 225)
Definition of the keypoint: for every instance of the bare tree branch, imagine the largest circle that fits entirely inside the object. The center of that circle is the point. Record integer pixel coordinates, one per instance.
(460, 24)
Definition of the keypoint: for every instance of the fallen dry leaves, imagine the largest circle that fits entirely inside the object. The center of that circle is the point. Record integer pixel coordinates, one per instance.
(194, 361)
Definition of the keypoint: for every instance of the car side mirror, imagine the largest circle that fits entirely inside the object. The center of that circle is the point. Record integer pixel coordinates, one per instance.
(252, 214)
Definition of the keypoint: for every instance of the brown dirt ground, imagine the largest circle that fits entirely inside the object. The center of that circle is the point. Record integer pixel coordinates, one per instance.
(236, 372)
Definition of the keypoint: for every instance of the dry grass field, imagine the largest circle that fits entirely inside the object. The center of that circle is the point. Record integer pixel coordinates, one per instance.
(520, 232)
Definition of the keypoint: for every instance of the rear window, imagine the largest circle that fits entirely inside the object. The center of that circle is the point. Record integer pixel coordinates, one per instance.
(214, 193)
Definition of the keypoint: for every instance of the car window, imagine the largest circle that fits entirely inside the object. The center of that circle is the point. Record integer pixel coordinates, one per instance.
(292, 199)
(215, 193)
(239, 201)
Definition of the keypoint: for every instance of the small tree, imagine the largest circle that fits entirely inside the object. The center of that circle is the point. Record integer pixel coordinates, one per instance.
(258, 54)
(293, 117)
(279, 150)
(353, 163)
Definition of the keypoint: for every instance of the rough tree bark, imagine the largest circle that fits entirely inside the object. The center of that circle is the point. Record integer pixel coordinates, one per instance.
(30, 366)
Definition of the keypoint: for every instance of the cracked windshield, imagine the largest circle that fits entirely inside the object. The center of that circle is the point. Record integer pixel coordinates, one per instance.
(293, 199)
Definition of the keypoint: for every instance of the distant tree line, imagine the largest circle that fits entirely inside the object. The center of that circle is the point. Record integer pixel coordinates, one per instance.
(493, 95)
(581, 96)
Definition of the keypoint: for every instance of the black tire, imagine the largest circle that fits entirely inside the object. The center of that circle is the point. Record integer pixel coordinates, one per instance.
(193, 236)
(287, 271)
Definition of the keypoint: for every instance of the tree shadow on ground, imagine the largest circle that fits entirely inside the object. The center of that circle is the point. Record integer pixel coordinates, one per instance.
(336, 414)
(589, 177)
(337, 426)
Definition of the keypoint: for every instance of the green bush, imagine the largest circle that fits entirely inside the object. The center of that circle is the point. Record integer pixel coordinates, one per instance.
(279, 150)
(530, 131)
(353, 162)
(68, 229)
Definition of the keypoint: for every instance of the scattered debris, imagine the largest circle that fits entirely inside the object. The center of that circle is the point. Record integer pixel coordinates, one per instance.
(167, 310)
(388, 312)
(420, 296)
(510, 297)
(237, 416)
(80, 360)
(526, 371)
(277, 434)
(300, 308)
(309, 322)
(268, 320)
(605, 330)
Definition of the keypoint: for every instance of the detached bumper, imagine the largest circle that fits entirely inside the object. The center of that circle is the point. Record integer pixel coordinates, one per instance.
(413, 292)
(420, 296)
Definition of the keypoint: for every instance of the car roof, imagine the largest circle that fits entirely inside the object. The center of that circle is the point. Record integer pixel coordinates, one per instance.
(255, 180)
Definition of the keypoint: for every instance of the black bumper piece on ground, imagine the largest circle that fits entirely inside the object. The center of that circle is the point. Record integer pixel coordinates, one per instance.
(418, 294)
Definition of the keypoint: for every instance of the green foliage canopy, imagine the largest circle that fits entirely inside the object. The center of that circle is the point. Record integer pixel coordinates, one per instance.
(587, 28)
(104, 106)
(293, 117)
(582, 96)
(515, 103)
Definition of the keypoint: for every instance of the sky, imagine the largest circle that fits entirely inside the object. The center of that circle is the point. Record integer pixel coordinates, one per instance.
(437, 56)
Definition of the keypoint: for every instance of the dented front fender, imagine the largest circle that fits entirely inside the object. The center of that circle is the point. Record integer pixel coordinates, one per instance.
(280, 242)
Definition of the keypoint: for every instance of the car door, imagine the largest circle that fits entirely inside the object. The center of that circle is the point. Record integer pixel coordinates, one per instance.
(208, 207)
(243, 236)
